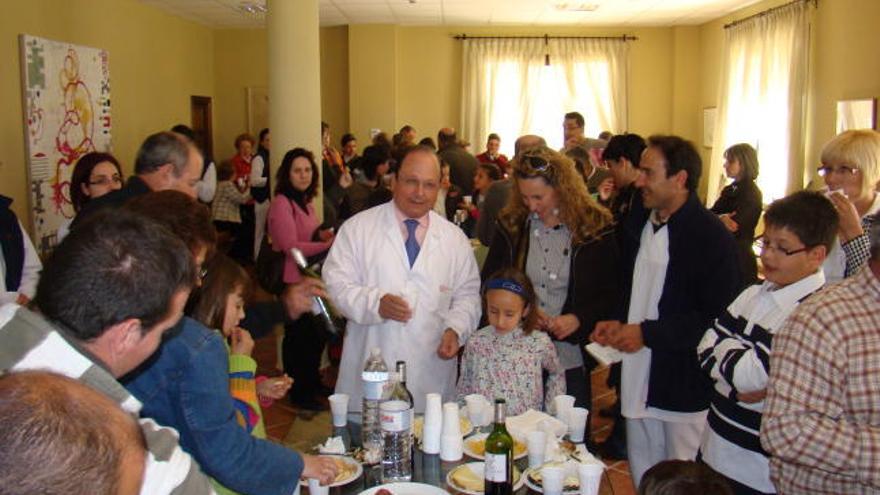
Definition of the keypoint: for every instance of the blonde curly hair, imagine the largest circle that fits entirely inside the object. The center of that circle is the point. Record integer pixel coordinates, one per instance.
(583, 216)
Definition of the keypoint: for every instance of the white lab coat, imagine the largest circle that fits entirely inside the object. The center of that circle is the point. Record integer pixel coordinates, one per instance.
(367, 261)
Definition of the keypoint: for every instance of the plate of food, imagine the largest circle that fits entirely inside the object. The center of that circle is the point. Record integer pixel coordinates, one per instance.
(404, 489)
(348, 471)
(571, 485)
(468, 478)
(475, 447)
(463, 422)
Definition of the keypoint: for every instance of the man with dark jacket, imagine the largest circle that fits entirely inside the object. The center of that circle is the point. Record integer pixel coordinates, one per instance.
(680, 271)
(462, 165)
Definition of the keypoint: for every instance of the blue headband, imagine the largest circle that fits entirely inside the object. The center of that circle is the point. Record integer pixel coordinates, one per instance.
(506, 284)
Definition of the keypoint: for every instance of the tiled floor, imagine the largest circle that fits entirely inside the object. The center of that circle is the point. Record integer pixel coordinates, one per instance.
(302, 430)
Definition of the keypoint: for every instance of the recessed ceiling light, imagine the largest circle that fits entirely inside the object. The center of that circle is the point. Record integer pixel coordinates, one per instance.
(255, 8)
(577, 7)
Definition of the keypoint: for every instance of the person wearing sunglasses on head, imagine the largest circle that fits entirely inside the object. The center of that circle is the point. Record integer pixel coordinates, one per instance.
(851, 169)
(555, 232)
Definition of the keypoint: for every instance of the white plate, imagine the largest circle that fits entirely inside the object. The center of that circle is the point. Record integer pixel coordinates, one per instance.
(481, 438)
(348, 460)
(407, 489)
(477, 468)
(570, 470)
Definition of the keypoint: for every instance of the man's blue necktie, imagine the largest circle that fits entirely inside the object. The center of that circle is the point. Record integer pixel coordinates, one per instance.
(411, 244)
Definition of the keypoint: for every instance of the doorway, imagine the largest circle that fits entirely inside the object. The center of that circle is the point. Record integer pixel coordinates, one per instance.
(200, 107)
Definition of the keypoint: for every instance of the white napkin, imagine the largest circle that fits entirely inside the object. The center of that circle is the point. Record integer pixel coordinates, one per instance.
(333, 445)
(604, 354)
(520, 426)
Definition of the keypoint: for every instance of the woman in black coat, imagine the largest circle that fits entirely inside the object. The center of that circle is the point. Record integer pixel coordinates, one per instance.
(740, 204)
(556, 233)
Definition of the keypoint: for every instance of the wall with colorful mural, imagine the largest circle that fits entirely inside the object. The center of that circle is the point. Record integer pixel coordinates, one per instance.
(67, 111)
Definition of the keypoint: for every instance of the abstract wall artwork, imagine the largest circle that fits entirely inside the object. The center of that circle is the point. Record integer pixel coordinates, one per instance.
(66, 91)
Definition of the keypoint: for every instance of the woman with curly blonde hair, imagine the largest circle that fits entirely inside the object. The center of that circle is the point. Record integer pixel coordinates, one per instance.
(555, 232)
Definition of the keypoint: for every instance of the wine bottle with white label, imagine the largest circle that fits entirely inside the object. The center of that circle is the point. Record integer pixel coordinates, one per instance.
(498, 472)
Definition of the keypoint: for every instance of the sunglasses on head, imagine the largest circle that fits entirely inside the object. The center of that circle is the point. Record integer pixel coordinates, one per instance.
(538, 166)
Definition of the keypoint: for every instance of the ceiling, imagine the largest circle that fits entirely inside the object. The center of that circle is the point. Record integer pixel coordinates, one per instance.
(250, 13)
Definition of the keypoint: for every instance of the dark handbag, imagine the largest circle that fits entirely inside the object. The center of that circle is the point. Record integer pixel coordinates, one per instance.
(270, 267)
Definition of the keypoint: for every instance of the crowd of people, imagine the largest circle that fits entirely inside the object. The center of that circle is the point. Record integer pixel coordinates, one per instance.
(127, 358)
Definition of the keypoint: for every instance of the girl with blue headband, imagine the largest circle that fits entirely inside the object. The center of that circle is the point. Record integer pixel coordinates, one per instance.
(507, 358)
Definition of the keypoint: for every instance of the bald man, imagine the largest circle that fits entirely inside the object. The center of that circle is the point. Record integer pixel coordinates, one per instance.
(60, 436)
(407, 280)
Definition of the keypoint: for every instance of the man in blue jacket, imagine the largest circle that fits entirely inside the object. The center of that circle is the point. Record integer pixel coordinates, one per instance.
(185, 385)
(681, 271)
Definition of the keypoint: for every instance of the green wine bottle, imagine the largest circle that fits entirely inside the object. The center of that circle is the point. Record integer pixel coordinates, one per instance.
(326, 313)
(498, 472)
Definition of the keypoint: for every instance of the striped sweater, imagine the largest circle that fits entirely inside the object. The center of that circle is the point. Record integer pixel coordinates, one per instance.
(31, 342)
(735, 353)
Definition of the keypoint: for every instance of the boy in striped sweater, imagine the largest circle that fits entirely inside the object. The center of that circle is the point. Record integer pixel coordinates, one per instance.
(735, 352)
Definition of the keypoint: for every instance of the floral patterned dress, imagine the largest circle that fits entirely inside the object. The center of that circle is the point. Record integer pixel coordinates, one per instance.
(511, 366)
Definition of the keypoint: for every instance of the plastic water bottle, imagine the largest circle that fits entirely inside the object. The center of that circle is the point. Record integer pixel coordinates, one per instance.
(375, 378)
(396, 415)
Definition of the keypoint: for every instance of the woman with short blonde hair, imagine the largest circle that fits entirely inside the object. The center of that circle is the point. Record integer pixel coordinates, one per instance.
(851, 169)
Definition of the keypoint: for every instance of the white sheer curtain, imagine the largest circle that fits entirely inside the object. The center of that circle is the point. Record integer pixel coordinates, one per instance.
(761, 101)
(508, 89)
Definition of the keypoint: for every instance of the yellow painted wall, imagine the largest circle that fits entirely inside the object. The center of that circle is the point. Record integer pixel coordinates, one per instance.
(372, 79)
(157, 61)
(335, 80)
(241, 61)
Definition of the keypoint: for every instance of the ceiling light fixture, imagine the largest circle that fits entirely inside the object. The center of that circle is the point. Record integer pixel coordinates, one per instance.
(253, 8)
(577, 7)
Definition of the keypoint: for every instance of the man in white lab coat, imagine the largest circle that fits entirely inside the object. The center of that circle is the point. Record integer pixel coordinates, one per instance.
(407, 280)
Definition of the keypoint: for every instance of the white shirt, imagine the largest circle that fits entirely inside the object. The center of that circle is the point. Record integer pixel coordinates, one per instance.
(367, 261)
(256, 177)
(30, 273)
(649, 276)
(766, 306)
(206, 187)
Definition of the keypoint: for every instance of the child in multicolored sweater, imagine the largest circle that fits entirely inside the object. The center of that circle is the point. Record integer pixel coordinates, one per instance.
(219, 304)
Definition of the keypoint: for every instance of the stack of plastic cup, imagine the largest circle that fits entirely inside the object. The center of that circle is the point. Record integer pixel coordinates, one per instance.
(561, 405)
(433, 425)
(451, 443)
(552, 479)
(577, 423)
(315, 487)
(537, 441)
(590, 476)
(339, 408)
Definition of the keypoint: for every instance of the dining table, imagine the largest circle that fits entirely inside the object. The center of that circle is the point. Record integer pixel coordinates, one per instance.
(428, 469)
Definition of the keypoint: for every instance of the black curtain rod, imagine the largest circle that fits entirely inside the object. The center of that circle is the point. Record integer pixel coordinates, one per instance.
(768, 11)
(546, 37)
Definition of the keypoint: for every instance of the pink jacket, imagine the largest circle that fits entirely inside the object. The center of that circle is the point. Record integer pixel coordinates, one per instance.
(290, 226)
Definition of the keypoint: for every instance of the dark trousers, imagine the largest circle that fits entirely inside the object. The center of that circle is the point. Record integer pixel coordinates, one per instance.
(578, 385)
(304, 341)
(242, 249)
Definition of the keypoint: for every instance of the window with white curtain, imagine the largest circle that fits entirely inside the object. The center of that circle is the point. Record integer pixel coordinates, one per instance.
(510, 90)
(764, 66)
